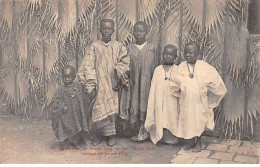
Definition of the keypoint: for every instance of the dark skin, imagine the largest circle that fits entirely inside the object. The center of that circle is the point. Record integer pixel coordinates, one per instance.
(169, 54)
(191, 53)
(107, 29)
(140, 32)
(68, 75)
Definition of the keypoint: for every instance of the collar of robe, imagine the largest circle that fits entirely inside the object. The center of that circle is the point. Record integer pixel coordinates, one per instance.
(191, 74)
(106, 44)
(140, 47)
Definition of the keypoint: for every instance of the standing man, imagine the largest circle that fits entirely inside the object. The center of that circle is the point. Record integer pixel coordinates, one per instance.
(104, 59)
(200, 89)
(142, 64)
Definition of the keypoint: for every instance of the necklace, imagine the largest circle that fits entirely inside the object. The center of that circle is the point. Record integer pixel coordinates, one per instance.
(166, 78)
(191, 75)
(70, 90)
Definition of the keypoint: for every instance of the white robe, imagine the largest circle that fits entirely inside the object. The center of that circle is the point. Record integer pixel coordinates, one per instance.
(162, 109)
(197, 98)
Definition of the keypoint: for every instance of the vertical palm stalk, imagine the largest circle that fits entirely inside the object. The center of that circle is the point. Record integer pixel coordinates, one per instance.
(117, 21)
(14, 34)
(180, 28)
(77, 35)
(137, 10)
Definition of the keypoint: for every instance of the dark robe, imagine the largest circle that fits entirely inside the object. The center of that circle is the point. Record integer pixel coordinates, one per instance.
(142, 65)
(69, 114)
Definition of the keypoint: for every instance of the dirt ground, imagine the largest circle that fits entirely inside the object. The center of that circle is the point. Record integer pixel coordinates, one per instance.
(32, 141)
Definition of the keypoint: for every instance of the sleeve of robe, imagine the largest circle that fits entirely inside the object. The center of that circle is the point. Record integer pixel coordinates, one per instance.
(56, 106)
(123, 61)
(87, 71)
(56, 109)
(216, 89)
(175, 84)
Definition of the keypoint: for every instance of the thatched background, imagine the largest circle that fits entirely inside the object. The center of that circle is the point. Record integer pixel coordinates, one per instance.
(37, 37)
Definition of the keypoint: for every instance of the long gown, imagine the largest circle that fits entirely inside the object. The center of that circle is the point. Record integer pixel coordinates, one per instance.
(197, 97)
(162, 110)
(142, 64)
(75, 118)
(97, 69)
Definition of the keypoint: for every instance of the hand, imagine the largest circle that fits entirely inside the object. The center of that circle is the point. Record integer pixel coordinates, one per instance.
(91, 91)
(125, 80)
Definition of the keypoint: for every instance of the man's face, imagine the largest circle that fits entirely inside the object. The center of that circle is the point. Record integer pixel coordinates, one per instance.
(107, 29)
(68, 76)
(169, 55)
(140, 32)
(190, 53)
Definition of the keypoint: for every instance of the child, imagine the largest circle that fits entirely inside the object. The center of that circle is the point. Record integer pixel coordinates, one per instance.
(68, 115)
(103, 60)
(142, 64)
(200, 89)
(162, 110)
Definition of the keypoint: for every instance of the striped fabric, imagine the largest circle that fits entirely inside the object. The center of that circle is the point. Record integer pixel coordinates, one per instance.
(96, 70)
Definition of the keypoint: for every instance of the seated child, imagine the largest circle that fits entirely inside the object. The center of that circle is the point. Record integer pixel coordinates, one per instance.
(68, 115)
(162, 110)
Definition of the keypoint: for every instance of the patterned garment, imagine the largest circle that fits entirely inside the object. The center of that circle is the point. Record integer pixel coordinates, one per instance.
(69, 115)
(142, 65)
(96, 69)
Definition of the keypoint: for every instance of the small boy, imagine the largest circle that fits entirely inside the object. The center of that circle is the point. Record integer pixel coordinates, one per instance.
(200, 89)
(143, 61)
(68, 115)
(162, 110)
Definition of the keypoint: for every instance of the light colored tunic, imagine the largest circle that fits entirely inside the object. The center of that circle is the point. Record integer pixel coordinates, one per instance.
(162, 109)
(198, 96)
(96, 70)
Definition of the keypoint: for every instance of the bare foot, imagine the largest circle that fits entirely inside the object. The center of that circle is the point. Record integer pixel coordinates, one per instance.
(64, 144)
(97, 140)
(111, 141)
(198, 146)
(189, 144)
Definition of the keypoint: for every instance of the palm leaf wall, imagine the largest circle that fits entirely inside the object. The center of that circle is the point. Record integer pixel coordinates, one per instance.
(53, 33)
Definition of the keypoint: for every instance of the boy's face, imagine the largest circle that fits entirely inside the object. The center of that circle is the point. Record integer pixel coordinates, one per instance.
(169, 55)
(107, 29)
(190, 53)
(68, 76)
(140, 32)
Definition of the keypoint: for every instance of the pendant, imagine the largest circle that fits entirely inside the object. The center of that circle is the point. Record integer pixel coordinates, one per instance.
(166, 78)
(191, 75)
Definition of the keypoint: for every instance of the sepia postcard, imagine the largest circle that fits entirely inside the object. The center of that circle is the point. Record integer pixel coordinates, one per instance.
(129, 81)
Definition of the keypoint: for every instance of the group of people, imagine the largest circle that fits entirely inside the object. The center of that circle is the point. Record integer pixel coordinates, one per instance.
(127, 87)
